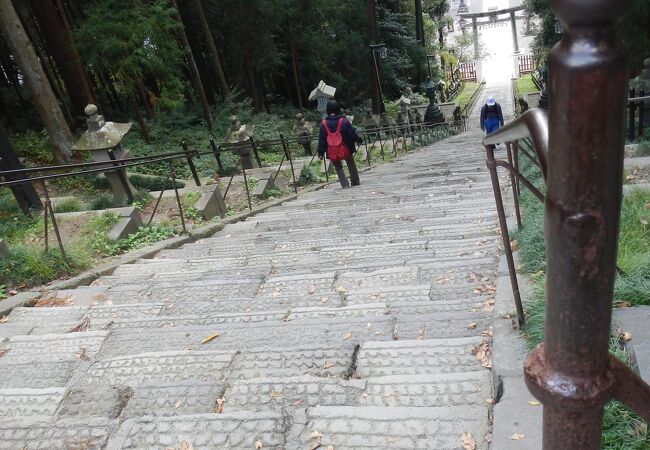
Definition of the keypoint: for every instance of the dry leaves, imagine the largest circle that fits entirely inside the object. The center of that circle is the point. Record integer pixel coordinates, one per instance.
(468, 442)
(52, 301)
(347, 336)
(220, 404)
(186, 446)
(4, 319)
(626, 336)
(472, 326)
(484, 354)
(316, 437)
(514, 245)
(517, 436)
(534, 403)
(209, 338)
(258, 444)
(311, 289)
(178, 404)
(81, 354)
(83, 326)
(329, 364)
(276, 394)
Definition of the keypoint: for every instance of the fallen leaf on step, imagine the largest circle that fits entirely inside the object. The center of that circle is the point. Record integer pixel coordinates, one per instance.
(534, 403)
(81, 355)
(311, 289)
(514, 245)
(316, 437)
(258, 444)
(178, 404)
(4, 319)
(472, 326)
(220, 404)
(468, 442)
(276, 394)
(297, 402)
(329, 364)
(186, 446)
(517, 436)
(626, 336)
(347, 335)
(209, 338)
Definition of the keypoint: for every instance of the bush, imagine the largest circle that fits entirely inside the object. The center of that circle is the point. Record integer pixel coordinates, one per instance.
(146, 235)
(103, 201)
(153, 183)
(310, 174)
(29, 265)
(643, 149)
(69, 205)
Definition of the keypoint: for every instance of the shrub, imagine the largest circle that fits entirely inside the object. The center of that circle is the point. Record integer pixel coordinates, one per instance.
(643, 149)
(69, 205)
(103, 201)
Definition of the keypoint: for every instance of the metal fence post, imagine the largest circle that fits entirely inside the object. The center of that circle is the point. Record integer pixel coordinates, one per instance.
(287, 152)
(178, 197)
(217, 155)
(190, 163)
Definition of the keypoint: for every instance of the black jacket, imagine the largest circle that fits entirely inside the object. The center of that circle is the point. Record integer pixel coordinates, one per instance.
(348, 133)
(491, 112)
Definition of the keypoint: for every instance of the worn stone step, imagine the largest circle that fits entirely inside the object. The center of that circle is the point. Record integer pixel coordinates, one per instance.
(177, 399)
(92, 318)
(374, 427)
(279, 394)
(429, 325)
(315, 359)
(94, 401)
(236, 430)
(29, 402)
(55, 433)
(417, 357)
(256, 334)
(157, 367)
(452, 389)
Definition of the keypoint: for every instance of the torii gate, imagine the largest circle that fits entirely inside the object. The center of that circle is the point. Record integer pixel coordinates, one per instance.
(514, 7)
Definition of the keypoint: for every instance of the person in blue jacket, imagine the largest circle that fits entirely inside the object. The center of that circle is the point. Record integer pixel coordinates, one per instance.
(350, 138)
(491, 116)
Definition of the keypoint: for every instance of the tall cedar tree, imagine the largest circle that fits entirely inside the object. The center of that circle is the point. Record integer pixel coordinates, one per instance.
(36, 80)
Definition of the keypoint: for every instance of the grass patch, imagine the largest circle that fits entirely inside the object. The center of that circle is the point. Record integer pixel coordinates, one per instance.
(146, 235)
(525, 86)
(69, 205)
(465, 94)
(622, 429)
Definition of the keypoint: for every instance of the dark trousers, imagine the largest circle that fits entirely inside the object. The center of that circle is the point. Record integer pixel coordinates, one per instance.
(352, 167)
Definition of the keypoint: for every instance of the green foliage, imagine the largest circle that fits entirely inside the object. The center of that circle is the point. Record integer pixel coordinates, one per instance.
(102, 201)
(311, 174)
(465, 95)
(189, 210)
(69, 205)
(3, 291)
(33, 145)
(526, 86)
(150, 183)
(30, 265)
(146, 235)
(643, 148)
(133, 42)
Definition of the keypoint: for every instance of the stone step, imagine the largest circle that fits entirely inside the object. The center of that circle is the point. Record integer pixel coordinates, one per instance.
(374, 427)
(29, 402)
(315, 359)
(255, 334)
(236, 430)
(162, 367)
(56, 433)
(418, 357)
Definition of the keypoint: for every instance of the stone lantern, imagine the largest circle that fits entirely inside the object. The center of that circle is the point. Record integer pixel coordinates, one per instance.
(104, 140)
(404, 103)
(433, 114)
(241, 136)
(321, 94)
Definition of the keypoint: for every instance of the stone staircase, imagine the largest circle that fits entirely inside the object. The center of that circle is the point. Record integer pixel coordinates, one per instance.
(347, 319)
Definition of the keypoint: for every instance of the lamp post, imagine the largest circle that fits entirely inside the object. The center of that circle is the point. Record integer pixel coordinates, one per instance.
(381, 50)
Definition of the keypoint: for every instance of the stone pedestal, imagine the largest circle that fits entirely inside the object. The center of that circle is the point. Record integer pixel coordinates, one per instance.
(245, 151)
(211, 203)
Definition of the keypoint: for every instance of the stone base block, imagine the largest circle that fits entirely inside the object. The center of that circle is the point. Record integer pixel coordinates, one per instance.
(211, 204)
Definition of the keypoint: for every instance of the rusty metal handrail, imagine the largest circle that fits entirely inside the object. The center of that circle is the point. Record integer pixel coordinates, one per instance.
(531, 124)
(572, 372)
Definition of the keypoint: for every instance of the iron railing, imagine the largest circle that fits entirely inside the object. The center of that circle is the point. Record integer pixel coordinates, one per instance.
(636, 115)
(572, 372)
(419, 134)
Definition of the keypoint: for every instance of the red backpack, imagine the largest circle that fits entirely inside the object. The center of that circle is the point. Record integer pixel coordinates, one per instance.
(336, 148)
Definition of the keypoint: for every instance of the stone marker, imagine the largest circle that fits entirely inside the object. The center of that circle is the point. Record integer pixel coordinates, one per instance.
(100, 138)
(211, 203)
(322, 93)
(241, 136)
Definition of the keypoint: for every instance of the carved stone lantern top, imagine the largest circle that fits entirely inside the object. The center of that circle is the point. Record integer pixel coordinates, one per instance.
(101, 135)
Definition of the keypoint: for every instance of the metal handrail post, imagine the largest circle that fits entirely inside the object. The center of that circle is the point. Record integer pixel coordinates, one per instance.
(190, 163)
(287, 152)
(217, 155)
(178, 197)
(503, 225)
(513, 182)
(248, 193)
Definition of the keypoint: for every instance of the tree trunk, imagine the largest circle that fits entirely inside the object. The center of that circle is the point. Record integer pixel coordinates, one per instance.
(214, 53)
(61, 46)
(192, 63)
(36, 81)
(25, 194)
(373, 32)
(258, 98)
(296, 71)
(144, 131)
(144, 98)
(209, 82)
